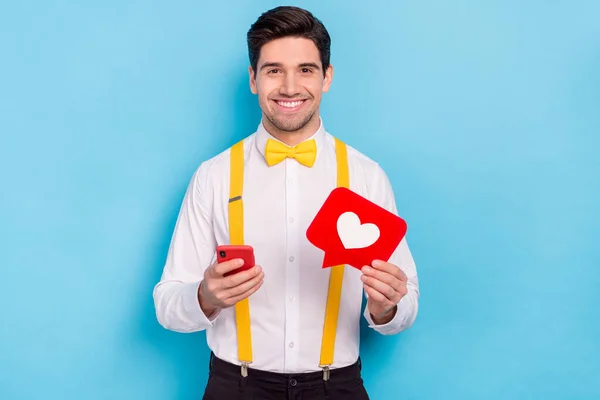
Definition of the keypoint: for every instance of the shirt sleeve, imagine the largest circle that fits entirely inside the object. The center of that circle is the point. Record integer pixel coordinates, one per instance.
(191, 251)
(406, 313)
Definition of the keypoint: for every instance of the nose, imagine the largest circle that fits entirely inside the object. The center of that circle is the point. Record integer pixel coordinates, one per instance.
(289, 86)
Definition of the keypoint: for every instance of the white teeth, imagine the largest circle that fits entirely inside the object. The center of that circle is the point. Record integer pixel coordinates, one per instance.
(290, 104)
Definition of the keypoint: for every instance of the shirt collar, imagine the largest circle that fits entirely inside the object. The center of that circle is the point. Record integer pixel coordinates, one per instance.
(262, 135)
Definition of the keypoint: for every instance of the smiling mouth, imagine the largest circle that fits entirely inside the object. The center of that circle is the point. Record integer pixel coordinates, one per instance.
(289, 106)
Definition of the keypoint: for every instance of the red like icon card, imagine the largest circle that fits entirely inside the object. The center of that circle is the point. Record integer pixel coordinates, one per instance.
(353, 230)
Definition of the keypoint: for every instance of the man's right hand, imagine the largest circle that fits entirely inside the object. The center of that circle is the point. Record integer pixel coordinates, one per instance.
(217, 291)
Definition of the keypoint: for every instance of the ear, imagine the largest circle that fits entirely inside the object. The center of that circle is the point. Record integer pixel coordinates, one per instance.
(328, 78)
(253, 88)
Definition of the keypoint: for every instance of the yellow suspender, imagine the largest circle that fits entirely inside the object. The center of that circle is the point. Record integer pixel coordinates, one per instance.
(236, 234)
(337, 274)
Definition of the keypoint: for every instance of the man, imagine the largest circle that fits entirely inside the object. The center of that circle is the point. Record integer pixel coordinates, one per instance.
(286, 293)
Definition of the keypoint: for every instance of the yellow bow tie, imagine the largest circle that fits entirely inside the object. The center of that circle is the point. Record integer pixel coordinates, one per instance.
(305, 152)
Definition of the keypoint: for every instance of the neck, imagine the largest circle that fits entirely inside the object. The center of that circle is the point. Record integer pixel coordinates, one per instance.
(292, 138)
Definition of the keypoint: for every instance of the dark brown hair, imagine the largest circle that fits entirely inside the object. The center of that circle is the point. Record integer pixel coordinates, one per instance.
(285, 21)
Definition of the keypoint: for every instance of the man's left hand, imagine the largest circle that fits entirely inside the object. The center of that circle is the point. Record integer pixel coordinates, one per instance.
(385, 285)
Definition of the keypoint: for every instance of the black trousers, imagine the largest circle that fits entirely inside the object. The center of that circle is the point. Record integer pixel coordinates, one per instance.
(225, 382)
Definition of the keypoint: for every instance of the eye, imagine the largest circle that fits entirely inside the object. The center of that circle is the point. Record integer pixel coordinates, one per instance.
(306, 70)
(273, 71)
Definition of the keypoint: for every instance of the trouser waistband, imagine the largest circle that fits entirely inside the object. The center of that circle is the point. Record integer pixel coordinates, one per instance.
(232, 372)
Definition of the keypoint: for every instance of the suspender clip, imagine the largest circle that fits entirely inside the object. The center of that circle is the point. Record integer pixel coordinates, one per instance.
(245, 368)
(325, 372)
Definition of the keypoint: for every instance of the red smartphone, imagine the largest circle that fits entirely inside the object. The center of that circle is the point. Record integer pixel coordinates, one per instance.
(227, 252)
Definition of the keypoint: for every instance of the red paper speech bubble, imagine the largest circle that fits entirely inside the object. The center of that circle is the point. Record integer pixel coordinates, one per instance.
(353, 230)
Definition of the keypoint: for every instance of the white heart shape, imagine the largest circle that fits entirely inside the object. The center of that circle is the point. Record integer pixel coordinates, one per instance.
(353, 234)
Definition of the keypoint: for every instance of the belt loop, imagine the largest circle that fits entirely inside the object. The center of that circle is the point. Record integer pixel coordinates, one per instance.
(325, 387)
(242, 383)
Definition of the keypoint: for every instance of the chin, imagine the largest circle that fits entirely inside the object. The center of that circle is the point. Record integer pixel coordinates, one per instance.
(287, 124)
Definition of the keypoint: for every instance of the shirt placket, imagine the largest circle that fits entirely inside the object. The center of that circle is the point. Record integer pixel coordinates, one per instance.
(292, 259)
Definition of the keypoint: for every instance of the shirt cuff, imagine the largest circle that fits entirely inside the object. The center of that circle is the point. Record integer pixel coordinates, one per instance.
(191, 305)
(389, 328)
(402, 320)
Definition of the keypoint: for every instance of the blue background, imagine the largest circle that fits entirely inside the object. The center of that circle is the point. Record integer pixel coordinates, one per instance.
(485, 115)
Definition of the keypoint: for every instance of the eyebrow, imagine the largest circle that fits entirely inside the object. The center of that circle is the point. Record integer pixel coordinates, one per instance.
(280, 65)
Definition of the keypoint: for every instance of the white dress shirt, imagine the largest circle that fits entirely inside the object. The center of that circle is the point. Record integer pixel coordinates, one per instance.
(287, 312)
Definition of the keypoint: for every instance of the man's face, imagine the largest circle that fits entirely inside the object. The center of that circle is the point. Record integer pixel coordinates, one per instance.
(289, 82)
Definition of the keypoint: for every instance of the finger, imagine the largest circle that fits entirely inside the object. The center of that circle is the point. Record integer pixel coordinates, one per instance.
(390, 269)
(374, 294)
(383, 276)
(239, 278)
(381, 287)
(244, 286)
(247, 293)
(227, 266)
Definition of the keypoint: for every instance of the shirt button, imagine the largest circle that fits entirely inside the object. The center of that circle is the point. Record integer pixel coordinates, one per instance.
(292, 259)
(291, 298)
(293, 382)
(291, 219)
(291, 345)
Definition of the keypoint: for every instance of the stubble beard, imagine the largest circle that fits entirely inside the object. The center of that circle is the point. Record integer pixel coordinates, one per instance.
(290, 125)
